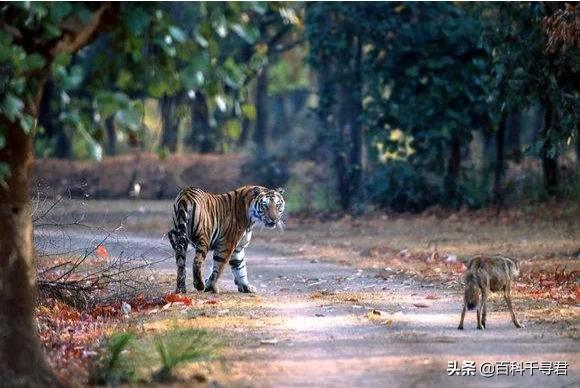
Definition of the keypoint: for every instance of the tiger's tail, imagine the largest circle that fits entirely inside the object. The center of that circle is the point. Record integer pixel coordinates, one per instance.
(178, 235)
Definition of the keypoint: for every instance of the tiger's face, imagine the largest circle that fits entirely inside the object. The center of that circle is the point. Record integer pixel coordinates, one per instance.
(267, 208)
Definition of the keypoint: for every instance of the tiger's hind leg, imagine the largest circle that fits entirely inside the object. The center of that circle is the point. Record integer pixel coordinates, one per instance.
(179, 244)
(200, 254)
(220, 258)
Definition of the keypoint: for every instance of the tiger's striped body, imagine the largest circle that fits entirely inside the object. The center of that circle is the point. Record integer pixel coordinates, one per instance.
(222, 223)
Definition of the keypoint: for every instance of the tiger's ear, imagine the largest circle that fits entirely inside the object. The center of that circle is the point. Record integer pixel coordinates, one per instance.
(281, 191)
(256, 191)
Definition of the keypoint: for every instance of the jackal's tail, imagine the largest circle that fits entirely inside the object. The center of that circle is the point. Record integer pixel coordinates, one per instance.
(471, 291)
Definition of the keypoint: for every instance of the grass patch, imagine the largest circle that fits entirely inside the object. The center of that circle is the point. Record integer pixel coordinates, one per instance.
(130, 359)
(181, 346)
(112, 368)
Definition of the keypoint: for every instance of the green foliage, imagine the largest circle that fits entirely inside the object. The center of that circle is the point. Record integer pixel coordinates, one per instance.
(437, 73)
(111, 368)
(180, 346)
(267, 169)
(400, 186)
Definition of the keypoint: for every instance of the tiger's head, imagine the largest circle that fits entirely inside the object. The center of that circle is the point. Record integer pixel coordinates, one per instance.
(267, 207)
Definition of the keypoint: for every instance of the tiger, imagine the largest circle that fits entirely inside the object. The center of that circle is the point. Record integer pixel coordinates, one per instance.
(222, 223)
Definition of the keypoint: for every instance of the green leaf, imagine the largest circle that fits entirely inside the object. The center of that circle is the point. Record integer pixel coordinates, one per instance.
(249, 110)
(35, 61)
(11, 106)
(4, 174)
(201, 40)
(233, 75)
(249, 34)
(59, 10)
(26, 123)
(177, 34)
(137, 20)
(129, 119)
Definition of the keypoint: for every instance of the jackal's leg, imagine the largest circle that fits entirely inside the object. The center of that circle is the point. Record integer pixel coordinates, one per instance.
(508, 300)
(484, 308)
(480, 324)
(460, 327)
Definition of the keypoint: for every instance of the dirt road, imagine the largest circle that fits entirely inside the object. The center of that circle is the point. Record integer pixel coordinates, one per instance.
(321, 324)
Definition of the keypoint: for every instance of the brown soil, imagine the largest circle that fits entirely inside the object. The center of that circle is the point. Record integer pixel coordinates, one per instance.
(348, 302)
(115, 176)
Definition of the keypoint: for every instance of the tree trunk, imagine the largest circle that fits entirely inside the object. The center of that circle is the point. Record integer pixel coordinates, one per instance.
(201, 131)
(578, 144)
(548, 155)
(514, 142)
(22, 361)
(262, 110)
(453, 169)
(499, 169)
(170, 124)
(246, 130)
(111, 148)
(356, 128)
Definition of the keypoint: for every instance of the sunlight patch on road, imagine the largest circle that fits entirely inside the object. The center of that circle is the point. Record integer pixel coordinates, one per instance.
(302, 323)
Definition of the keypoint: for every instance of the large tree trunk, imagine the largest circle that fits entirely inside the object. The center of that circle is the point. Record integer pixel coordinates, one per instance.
(111, 148)
(22, 361)
(351, 135)
(499, 169)
(169, 121)
(261, 132)
(549, 158)
(453, 169)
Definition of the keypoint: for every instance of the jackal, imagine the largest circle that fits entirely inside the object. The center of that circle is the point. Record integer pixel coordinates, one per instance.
(485, 274)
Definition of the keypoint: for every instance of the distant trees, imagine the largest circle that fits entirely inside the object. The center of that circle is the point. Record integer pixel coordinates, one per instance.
(416, 81)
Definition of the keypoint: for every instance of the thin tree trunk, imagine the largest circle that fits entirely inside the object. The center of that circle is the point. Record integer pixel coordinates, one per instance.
(111, 136)
(261, 132)
(499, 169)
(453, 169)
(513, 134)
(246, 130)
(169, 123)
(356, 128)
(344, 145)
(578, 144)
(548, 156)
(201, 131)
(22, 361)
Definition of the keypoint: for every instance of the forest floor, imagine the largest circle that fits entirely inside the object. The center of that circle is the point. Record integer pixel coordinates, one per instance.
(347, 302)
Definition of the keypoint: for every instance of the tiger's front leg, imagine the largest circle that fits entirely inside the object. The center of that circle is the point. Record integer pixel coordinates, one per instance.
(238, 265)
